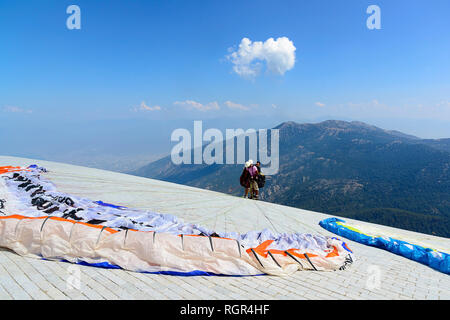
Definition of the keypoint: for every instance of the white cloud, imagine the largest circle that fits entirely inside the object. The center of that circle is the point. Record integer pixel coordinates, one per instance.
(320, 104)
(14, 109)
(233, 105)
(145, 107)
(278, 55)
(443, 104)
(190, 104)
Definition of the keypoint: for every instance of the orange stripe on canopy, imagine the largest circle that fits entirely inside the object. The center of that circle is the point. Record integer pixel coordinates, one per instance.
(263, 251)
(7, 169)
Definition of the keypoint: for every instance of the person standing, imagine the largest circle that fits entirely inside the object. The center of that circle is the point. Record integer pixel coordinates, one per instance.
(253, 181)
(261, 177)
(245, 179)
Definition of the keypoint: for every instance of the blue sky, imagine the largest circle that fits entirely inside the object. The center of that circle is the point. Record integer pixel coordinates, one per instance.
(136, 69)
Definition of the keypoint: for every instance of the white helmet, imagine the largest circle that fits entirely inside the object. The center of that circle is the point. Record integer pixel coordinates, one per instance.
(250, 161)
(247, 164)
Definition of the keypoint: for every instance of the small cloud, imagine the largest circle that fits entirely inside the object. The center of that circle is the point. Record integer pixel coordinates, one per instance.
(233, 105)
(278, 55)
(190, 104)
(145, 107)
(443, 104)
(374, 103)
(274, 106)
(14, 109)
(320, 104)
